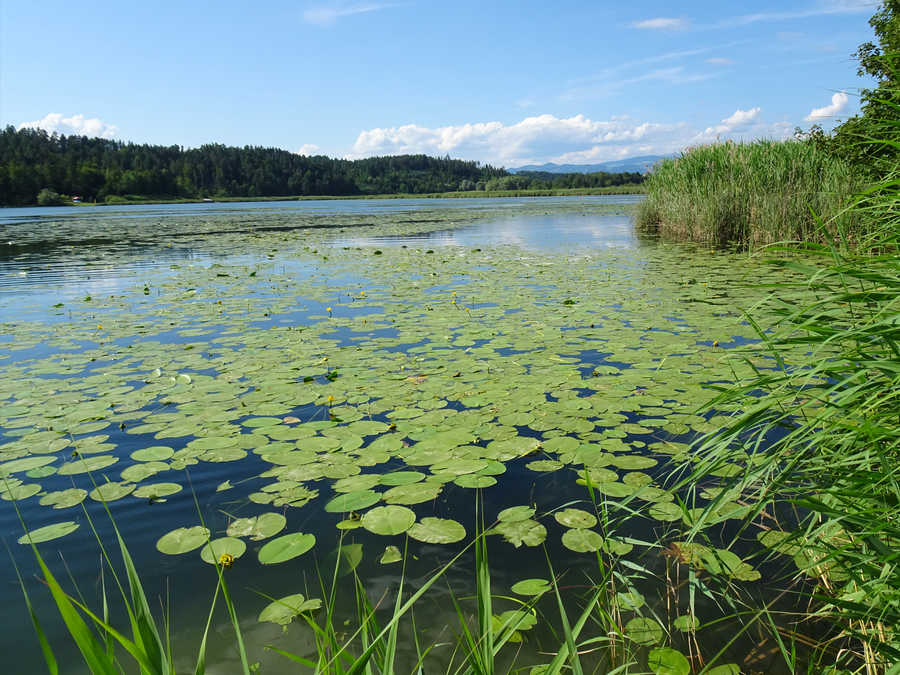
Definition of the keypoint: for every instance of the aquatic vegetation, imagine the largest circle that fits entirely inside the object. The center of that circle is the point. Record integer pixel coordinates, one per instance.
(750, 194)
(298, 412)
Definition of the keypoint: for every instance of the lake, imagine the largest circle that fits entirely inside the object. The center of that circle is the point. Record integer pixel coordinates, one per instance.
(382, 375)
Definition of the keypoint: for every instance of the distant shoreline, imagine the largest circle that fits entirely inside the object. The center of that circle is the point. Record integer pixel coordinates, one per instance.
(472, 194)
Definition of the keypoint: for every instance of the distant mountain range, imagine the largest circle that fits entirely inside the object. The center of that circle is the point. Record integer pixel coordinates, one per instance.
(629, 164)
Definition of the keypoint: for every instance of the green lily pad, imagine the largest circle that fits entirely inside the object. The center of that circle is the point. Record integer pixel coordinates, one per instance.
(286, 547)
(258, 527)
(668, 661)
(183, 540)
(388, 520)
(516, 513)
(413, 494)
(391, 555)
(437, 531)
(575, 518)
(20, 492)
(25, 464)
(474, 480)
(156, 453)
(644, 631)
(353, 501)
(286, 609)
(582, 540)
(686, 623)
(215, 549)
(87, 464)
(48, 533)
(401, 478)
(64, 499)
(531, 587)
(518, 532)
(666, 511)
(110, 492)
(157, 490)
(725, 669)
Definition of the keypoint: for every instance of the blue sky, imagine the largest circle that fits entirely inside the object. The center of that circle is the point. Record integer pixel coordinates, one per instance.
(505, 82)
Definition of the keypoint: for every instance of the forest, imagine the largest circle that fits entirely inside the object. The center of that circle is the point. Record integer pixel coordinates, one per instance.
(41, 168)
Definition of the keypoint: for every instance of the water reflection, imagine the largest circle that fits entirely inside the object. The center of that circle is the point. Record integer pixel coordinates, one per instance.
(548, 232)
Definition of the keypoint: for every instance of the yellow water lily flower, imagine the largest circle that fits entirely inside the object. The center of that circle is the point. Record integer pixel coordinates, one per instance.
(226, 560)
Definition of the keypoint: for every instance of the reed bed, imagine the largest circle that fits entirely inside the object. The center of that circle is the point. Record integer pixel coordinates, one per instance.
(751, 194)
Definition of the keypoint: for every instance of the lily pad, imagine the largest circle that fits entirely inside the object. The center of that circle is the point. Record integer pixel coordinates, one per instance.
(668, 661)
(644, 631)
(388, 520)
(575, 518)
(183, 540)
(391, 555)
(286, 609)
(531, 587)
(110, 492)
(157, 490)
(215, 549)
(258, 527)
(64, 499)
(286, 547)
(518, 532)
(156, 453)
(437, 531)
(582, 540)
(353, 501)
(48, 533)
(516, 513)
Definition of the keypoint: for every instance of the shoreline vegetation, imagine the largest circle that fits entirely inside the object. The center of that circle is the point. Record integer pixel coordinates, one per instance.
(49, 169)
(627, 189)
(752, 194)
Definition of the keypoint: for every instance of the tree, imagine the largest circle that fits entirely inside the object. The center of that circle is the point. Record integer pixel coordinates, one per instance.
(879, 115)
(49, 197)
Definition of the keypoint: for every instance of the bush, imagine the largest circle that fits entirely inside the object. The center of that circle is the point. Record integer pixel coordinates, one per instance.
(49, 197)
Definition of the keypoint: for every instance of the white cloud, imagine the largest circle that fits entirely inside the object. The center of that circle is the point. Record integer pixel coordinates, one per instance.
(572, 140)
(77, 124)
(838, 102)
(532, 140)
(325, 15)
(309, 149)
(720, 61)
(738, 119)
(662, 23)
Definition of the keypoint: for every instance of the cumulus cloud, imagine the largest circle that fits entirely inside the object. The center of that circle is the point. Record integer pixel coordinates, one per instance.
(532, 140)
(309, 149)
(77, 124)
(661, 23)
(324, 15)
(838, 102)
(739, 118)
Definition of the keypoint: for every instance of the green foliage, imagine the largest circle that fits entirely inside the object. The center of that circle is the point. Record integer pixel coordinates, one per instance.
(825, 408)
(868, 140)
(49, 197)
(748, 194)
(114, 172)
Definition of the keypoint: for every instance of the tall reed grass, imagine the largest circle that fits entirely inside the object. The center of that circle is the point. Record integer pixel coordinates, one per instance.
(748, 194)
(817, 432)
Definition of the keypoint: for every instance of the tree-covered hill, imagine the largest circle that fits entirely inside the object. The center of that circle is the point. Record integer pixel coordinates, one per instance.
(33, 161)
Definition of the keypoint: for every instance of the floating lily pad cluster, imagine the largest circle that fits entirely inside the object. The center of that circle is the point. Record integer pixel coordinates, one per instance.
(371, 385)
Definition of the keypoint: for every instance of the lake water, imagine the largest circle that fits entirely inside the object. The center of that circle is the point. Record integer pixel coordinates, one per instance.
(240, 359)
